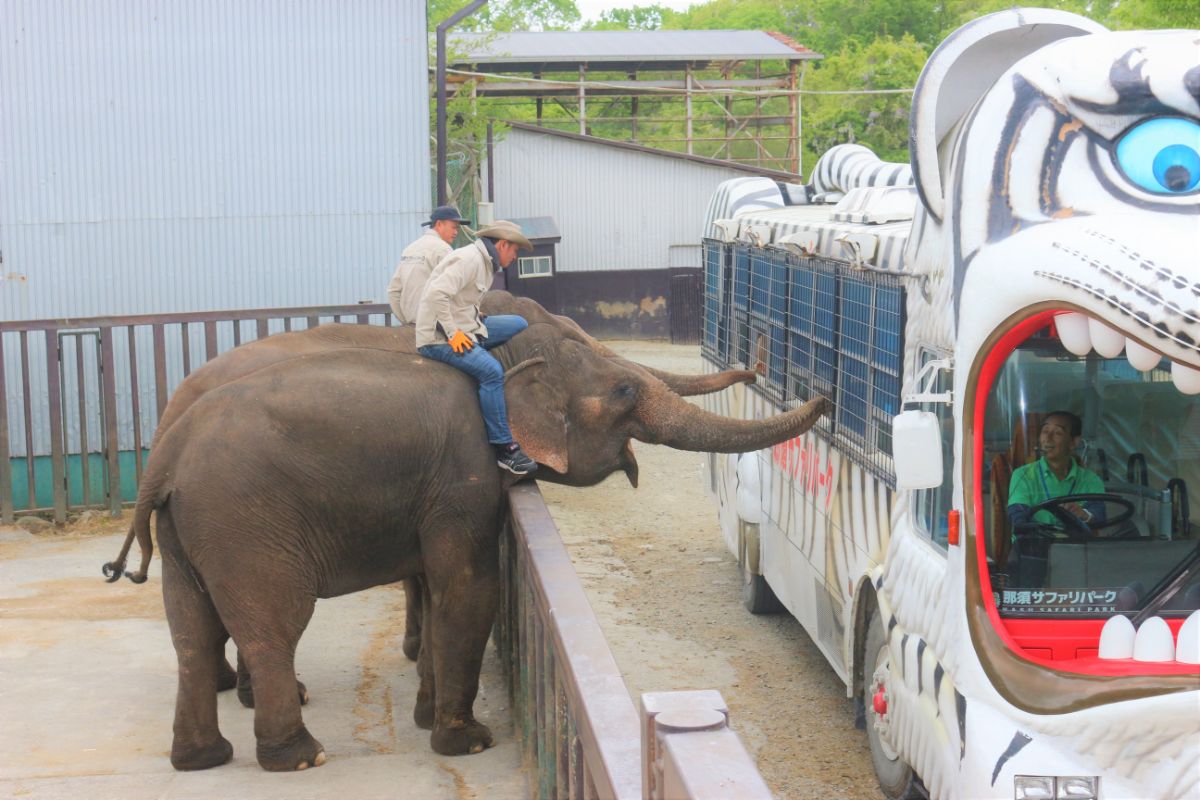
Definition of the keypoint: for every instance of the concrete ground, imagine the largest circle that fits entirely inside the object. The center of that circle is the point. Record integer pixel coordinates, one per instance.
(87, 694)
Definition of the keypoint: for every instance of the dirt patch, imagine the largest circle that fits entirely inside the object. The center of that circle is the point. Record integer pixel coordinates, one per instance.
(373, 707)
(78, 599)
(668, 596)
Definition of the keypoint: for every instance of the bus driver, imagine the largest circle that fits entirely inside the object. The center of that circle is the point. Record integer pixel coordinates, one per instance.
(1055, 474)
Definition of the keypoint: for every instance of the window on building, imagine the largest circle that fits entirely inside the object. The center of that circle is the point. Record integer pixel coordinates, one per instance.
(534, 267)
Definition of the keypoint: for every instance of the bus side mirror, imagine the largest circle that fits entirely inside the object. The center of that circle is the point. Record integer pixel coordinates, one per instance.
(917, 450)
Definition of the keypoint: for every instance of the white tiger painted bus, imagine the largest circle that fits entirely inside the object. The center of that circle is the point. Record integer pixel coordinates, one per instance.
(1015, 615)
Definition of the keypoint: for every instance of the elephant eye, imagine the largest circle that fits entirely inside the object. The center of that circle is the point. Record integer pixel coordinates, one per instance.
(1161, 155)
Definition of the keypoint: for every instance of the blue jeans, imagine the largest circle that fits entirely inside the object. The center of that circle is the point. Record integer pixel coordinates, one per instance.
(483, 367)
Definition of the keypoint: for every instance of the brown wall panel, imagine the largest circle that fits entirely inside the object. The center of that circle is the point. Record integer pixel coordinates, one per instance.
(616, 304)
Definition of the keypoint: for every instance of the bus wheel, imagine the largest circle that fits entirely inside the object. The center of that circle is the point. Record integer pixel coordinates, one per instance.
(896, 777)
(757, 595)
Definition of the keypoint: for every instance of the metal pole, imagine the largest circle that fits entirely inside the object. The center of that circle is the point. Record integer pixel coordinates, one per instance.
(800, 120)
(794, 104)
(491, 175)
(633, 107)
(582, 101)
(454, 19)
(688, 101)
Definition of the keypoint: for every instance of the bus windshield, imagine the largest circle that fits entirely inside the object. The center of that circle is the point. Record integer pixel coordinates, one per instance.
(1088, 464)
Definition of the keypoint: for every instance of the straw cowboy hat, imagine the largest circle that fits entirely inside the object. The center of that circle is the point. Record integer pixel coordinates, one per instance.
(508, 231)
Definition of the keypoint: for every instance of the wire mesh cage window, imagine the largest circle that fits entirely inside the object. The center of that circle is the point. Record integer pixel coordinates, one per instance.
(714, 255)
(812, 326)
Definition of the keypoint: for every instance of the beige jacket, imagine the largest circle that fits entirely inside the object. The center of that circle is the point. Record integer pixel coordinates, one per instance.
(416, 263)
(452, 296)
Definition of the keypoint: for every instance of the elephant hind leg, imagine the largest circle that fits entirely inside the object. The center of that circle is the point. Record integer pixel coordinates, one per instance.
(413, 590)
(266, 641)
(198, 636)
(245, 686)
(424, 711)
(227, 677)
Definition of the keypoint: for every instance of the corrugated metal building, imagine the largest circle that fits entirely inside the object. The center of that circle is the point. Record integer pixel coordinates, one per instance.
(180, 156)
(161, 156)
(631, 220)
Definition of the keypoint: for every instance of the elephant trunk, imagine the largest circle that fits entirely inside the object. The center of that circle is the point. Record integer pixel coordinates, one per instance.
(691, 385)
(672, 421)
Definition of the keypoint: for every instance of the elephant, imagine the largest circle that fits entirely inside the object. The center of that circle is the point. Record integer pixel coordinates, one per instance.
(332, 472)
(258, 354)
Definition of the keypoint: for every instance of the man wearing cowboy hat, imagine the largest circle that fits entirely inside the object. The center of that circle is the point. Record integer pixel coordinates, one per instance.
(451, 330)
(418, 260)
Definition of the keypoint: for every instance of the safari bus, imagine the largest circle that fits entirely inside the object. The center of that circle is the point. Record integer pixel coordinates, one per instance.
(990, 537)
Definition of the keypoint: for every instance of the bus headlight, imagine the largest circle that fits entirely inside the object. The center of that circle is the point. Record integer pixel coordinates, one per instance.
(1049, 787)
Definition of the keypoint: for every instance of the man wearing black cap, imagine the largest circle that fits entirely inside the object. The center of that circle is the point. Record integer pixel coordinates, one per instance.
(451, 329)
(418, 260)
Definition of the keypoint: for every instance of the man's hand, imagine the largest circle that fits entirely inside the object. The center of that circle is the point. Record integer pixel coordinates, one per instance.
(460, 342)
(1079, 511)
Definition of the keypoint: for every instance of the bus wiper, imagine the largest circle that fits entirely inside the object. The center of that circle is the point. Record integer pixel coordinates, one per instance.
(1171, 583)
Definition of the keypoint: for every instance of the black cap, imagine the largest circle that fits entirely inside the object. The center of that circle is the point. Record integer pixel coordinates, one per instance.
(446, 213)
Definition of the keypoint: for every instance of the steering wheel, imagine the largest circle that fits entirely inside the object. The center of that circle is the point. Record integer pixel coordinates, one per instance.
(1073, 524)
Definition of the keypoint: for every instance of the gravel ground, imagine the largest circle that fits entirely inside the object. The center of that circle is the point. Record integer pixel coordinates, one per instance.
(668, 596)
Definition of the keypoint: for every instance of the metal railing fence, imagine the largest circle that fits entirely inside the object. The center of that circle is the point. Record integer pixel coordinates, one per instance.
(581, 734)
(80, 409)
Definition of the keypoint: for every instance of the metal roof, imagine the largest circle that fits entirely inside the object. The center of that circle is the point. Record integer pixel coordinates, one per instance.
(625, 50)
(775, 174)
(538, 229)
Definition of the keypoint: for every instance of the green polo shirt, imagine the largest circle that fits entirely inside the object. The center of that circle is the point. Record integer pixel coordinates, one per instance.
(1028, 489)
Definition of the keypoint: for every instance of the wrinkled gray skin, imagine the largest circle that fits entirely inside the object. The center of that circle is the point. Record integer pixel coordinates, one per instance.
(256, 355)
(329, 473)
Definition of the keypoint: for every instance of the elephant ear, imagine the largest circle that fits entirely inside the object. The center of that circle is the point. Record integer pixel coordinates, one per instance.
(537, 413)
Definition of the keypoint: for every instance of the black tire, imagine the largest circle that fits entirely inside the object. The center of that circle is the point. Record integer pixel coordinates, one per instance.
(757, 596)
(896, 778)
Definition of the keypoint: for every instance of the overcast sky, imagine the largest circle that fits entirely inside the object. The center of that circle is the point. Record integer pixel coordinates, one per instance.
(590, 9)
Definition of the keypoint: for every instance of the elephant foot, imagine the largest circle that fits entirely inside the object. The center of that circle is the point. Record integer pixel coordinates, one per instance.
(226, 677)
(412, 645)
(460, 738)
(297, 752)
(245, 693)
(188, 757)
(423, 712)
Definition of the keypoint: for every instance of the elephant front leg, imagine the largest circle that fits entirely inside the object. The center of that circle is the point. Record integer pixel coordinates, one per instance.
(198, 636)
(463, 607)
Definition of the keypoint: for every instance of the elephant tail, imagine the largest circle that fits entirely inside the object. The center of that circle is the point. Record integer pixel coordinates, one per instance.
(148, 500)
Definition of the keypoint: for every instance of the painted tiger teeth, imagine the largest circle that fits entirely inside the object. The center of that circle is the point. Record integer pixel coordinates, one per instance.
(1081, 334)
(1186, 379)
(1105, 340)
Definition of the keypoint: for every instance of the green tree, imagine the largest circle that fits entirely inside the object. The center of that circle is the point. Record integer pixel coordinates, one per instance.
(878, 121)
(834, 24)
(507, 15)
(739, 15)
(638, 18)
(1150, 14)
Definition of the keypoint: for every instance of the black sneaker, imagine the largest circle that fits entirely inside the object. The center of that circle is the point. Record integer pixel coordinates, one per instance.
(512, 458)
